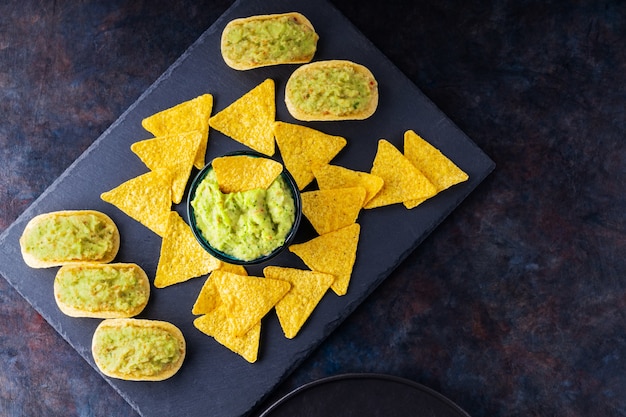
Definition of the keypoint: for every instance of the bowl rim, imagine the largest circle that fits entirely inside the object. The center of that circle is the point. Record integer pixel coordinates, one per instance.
(225, 257)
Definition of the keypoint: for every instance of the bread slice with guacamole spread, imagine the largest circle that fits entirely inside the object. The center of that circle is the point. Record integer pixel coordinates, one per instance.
(115, 290)
(331, 90)
(259, 41)
(69, 236)
(138, 349)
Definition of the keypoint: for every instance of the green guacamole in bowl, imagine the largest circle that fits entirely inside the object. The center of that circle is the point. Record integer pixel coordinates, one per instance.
(243, 227)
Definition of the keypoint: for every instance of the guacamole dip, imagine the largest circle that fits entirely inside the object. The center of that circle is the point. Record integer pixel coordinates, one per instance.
(71, 237)
(136, 351)
(338, 91)
(102, 288)
(245, 225)
(275, 39)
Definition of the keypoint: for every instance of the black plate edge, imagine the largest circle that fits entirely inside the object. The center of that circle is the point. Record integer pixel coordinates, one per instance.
(367, 375)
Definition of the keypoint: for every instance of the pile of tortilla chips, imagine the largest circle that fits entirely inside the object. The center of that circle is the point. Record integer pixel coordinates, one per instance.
(231, 305)
(180, 143)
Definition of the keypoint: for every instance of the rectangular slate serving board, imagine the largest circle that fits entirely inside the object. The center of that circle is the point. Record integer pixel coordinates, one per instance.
(213, 380)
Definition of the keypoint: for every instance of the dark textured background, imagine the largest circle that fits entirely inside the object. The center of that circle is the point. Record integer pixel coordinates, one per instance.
(514, 306)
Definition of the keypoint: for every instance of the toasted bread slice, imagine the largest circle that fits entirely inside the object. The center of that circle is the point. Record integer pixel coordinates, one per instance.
(138, 349)
(117, 290)
(331, 90)
(69, 236)
(272, 39)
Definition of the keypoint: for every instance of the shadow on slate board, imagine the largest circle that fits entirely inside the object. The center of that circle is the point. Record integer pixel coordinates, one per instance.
(213, 380)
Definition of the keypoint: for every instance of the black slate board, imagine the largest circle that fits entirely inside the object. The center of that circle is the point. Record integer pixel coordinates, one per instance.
(213, 380)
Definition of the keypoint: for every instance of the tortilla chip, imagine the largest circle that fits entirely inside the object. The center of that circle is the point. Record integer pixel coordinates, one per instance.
(330, 210)
(247, 299)
(402, 180)
(333, 176)
(307, 290)
(305, 150)
(333, 253)
(235, 269)
(184, 117)
(146, 198)
(438, 168)
(243, 173)
(215, 324)
(181, 257)
(249, 119)
(174, 152)
(208, 298)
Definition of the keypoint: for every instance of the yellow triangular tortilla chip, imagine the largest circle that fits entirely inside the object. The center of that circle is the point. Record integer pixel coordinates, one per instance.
(247, 299)
(402, 180)
(243, 173)
(438, 168)
(174, 152)
(215, 324)
(181, 257)
(235, 269)
(146, 198)
(249, 119)
(307, 289)
(333, 253)
(208, 298)
(333, 176)
(187, 116)
(305, 150)
(330, 210)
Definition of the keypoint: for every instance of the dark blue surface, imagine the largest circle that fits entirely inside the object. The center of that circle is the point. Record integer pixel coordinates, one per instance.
(513, 306)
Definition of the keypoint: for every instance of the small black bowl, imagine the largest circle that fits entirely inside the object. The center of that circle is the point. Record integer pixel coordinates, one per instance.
(295, 194)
